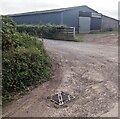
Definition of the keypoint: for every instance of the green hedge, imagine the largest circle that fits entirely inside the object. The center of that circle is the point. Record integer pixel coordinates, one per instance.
(24, 67)
(24, 60)
(46, 31)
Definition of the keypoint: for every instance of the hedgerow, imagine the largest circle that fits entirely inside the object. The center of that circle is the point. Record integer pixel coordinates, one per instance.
(24, 60)
(45, 31)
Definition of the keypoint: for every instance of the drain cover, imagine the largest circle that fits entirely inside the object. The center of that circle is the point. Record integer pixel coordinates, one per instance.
(61, 98)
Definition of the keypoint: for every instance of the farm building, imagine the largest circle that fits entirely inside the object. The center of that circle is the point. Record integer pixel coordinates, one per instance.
(83, 18)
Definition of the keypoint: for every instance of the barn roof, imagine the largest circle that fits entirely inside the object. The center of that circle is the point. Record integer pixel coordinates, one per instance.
(50, 11)
(111, 18)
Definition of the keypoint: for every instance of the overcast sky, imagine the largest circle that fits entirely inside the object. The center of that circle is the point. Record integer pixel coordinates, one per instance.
(106, 7)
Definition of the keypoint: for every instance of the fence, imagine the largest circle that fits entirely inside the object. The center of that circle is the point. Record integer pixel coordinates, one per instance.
(66, 33)
(49, 31)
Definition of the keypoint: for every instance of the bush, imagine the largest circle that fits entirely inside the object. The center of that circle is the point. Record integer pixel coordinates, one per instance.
(24, 67)
(25, 62)
(45, 31)
(8, 30)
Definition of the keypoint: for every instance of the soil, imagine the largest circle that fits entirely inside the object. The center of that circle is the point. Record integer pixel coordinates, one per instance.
(104, 39)
(88, 71)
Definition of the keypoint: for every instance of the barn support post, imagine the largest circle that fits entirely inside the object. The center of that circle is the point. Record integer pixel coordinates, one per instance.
(61, 20)
(74, 32)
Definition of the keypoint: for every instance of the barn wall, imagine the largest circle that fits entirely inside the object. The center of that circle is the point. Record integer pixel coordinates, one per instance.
(71, 17)
(95, 24)
(53, 18)
(68, 17)
(109, 23)
(95, 21)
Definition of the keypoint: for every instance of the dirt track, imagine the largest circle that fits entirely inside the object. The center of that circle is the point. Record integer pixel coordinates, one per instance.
(87, 71)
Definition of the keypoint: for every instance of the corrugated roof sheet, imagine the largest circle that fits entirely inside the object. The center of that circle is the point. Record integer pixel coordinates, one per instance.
(49, 11)
(54, 10)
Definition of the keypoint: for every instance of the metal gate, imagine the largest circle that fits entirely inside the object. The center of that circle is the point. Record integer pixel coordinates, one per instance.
(84, 24)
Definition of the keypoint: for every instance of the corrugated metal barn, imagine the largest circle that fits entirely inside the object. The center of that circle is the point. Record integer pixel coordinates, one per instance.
(83, 18)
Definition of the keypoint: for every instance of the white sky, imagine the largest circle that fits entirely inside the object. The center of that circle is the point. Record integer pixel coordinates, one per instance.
(106, 7)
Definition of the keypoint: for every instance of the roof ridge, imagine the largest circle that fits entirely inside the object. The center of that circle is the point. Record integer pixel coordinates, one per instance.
(46, 11)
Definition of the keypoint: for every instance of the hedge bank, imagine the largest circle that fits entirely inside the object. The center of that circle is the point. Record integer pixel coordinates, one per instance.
(24, 60)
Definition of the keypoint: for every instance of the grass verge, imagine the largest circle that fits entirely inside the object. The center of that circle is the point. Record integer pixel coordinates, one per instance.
(79, 37)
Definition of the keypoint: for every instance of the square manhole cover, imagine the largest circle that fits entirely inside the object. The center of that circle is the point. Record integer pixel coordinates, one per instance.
(61, 98)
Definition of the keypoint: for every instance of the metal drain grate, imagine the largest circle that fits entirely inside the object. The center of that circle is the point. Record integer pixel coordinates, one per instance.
(61, 98)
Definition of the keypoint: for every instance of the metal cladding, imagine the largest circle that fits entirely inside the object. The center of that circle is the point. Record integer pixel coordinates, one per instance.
(70, 17)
